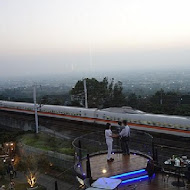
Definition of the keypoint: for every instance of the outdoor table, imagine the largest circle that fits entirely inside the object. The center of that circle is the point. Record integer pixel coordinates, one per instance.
(178, 169)
(178, 183)
(106, 183)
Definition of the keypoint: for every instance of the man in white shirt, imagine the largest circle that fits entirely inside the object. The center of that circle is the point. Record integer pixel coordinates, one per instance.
(109, 140)
(124, 136)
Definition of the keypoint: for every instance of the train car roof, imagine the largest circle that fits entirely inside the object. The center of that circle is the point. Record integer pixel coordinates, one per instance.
(163, 116)
(124, 109)
(68, 107)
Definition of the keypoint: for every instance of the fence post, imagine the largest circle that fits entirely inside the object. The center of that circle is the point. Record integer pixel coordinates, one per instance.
(80, 153)
(153, 152)
(88, 169)
(56, 187)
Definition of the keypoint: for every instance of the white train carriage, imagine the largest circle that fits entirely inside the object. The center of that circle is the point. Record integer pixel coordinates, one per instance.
(71, 113)
(137, 119)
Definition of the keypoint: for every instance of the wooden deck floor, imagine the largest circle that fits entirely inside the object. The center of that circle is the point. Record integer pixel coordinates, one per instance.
(121, 164)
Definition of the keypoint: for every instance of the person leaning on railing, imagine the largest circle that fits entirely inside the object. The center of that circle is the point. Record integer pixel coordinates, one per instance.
(124, 136)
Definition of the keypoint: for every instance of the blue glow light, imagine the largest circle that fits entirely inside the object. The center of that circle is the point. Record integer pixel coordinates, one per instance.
(129, 174)
(135, 179)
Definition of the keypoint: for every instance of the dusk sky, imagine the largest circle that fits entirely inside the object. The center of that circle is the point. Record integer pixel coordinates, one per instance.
(58, 36)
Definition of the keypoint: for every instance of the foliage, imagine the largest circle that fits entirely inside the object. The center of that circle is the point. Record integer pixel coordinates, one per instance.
(31, 166)
(7, 136)
(100, 93)
(55, 99)
(25, 94)
(161, 102)
(48, 143)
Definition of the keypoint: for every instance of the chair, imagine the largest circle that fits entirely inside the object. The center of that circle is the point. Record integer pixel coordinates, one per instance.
(165, 174)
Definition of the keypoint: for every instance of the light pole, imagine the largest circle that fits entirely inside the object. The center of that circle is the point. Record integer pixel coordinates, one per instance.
(35, 108)
(85, 93)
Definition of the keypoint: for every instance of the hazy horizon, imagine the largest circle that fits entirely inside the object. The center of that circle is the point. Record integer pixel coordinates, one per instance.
(59, 37)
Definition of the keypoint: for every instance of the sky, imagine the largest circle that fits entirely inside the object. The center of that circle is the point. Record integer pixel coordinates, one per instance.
(59, 36)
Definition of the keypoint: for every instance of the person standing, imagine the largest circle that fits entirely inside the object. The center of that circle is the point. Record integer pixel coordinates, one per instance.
(119, 128)
(109, 141)
(124, 136)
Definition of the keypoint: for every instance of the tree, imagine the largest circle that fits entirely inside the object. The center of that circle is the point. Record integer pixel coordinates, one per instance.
(100, 93)
(118, 97)
(31, 166)
(132, 100)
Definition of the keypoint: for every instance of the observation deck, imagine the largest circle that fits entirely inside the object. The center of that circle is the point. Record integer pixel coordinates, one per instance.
(91, 157)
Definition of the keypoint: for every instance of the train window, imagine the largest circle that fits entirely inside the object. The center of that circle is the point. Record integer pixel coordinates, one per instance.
(104, 116)
(84, 114)
(170, 125)
(96, 115)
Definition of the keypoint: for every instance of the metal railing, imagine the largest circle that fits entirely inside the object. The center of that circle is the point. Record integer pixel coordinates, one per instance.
(94, 143)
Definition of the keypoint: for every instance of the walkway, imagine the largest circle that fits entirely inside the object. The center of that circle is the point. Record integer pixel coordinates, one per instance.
(44, 180)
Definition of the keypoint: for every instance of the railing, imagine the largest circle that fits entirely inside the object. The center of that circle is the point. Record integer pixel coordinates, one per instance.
(163, 153)
(94, 143)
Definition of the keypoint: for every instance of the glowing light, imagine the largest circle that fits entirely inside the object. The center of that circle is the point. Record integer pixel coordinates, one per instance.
(135, 179)
(104, 171)
(12, 144)
(80, 180)
(31, 179)
(129, 174)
